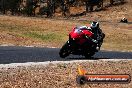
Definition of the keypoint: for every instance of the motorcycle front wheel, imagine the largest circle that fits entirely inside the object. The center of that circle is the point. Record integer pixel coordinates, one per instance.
(64, 51)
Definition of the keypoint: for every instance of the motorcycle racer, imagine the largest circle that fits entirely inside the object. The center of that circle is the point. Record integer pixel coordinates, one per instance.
(83, 40)
(97, 32)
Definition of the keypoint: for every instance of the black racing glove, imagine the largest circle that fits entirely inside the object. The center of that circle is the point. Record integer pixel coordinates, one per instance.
(93, 40)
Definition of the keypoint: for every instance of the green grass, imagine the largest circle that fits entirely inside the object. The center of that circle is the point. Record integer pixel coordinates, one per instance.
(47, 37)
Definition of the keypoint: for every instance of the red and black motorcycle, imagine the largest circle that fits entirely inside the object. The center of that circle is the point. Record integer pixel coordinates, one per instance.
(80, 43)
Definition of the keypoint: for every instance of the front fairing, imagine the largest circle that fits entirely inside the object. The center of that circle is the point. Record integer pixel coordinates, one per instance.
(79, 35)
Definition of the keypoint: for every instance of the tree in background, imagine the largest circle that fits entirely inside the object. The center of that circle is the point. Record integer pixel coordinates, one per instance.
(9, 5)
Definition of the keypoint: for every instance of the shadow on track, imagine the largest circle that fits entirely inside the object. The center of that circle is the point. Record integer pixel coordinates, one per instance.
(13, 54)
(108, 55)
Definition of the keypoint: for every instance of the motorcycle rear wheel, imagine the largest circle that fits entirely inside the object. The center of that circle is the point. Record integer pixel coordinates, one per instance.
(89, 54)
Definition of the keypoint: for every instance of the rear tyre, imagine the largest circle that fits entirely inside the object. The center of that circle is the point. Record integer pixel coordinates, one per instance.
(64, 51)
(89, 54)
(103, 35)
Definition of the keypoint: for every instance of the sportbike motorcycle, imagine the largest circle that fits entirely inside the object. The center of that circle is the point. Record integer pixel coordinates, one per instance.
(80, 42)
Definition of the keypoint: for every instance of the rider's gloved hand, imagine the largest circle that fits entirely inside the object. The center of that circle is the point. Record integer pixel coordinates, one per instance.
(93, 40)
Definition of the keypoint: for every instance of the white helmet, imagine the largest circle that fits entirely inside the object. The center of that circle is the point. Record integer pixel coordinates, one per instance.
(94, 24)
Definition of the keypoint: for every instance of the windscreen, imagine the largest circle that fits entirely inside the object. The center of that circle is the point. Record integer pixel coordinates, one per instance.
(78, 31)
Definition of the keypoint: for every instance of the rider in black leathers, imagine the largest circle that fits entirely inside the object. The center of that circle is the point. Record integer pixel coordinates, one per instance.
(98, 34)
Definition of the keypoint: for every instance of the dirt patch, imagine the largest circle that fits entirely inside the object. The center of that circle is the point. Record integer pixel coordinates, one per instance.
(62, 75)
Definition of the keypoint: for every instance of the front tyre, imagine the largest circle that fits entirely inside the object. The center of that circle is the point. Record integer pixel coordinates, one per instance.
(64, 51)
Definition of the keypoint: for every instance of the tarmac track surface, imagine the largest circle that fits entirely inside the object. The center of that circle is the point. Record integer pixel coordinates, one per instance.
(15, 54)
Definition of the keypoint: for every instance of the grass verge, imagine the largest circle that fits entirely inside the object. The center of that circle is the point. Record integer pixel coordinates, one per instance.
(39, 32)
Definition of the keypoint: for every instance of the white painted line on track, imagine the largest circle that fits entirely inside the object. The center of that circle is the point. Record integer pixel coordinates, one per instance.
(14, 65)
(27, 46)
